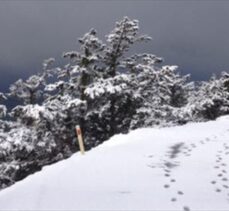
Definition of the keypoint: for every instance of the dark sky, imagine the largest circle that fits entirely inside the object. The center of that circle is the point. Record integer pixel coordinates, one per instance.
(191, 34)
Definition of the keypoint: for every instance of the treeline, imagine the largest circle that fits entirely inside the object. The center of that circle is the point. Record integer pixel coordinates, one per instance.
(104, 90)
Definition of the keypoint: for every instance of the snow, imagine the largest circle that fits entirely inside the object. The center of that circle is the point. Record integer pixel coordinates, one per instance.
(75, 69)
(174, 168)
(53, 87)
(15, 139)
(171, 67)
(103, 86)
(75, 102)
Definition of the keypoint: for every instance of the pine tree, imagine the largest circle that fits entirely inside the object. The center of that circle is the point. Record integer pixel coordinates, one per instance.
(212, 98)
(161, 91)
(29, 91)
(101, 95)
(119, 41)
(83, 66)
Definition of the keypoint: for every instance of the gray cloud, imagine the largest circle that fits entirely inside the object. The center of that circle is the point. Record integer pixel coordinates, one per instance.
(191, 34)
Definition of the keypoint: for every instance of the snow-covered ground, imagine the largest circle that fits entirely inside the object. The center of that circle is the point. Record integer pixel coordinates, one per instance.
(177, 168)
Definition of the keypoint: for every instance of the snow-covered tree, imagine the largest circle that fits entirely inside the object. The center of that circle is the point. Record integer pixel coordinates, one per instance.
(65, 115)
(84, 65)
(144, 96)
(212, 98)
(160, 91)
(22, 153)
(119, 41)
(102, 96)
(28, 91)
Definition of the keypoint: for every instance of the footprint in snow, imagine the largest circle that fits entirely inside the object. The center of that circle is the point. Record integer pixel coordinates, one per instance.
(218, 190)
(193, 145)
(207, 139)
(202, 142)
(225, 146)
(220, 172)
(172, 180)
(224, 179)
(185, 208)
(167, 170)
(226, 186)
(170, 165)
(213, 182)
(173, 199)
(219, 175)
(175, 150)
(166, 186)
(180, 193)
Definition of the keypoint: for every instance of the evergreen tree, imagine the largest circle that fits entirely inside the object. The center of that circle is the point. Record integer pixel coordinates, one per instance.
(84, 65)
(29, 91)
(119, 41)
(212, 98)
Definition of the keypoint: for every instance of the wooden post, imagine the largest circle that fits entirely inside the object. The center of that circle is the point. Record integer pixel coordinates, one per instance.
(80, 139)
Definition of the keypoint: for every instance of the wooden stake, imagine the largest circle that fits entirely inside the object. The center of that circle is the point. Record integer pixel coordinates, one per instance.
(80, 139)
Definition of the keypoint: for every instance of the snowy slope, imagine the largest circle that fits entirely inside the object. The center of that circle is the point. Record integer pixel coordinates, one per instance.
(177, 168)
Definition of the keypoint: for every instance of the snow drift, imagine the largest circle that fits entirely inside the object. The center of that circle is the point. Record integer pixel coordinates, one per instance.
(176, 168)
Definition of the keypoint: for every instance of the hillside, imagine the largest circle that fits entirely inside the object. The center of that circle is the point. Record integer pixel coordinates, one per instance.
(176, 168)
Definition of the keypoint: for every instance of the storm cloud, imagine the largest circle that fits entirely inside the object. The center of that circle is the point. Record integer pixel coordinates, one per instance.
(191, 34)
